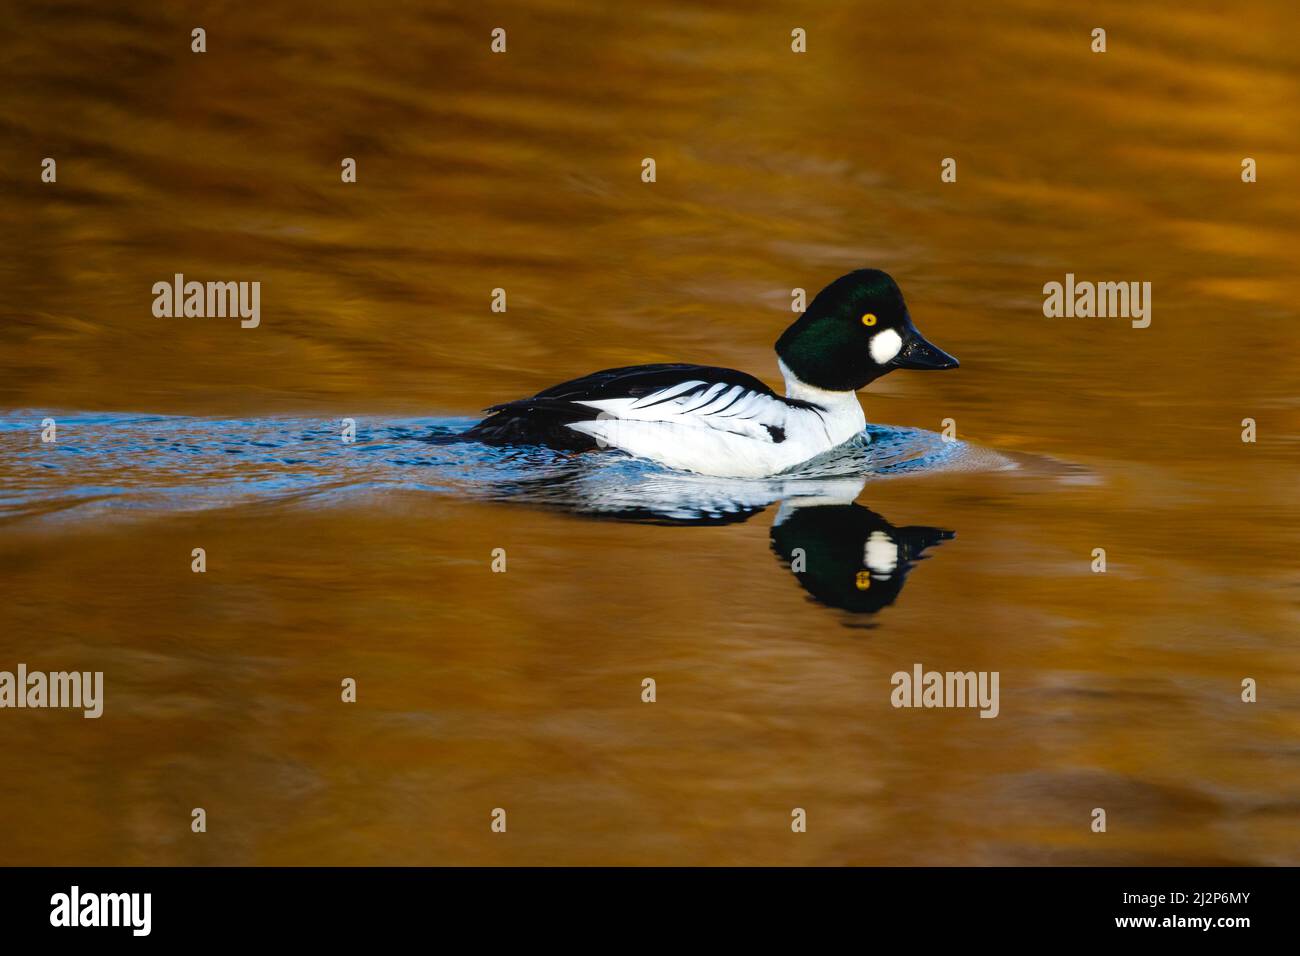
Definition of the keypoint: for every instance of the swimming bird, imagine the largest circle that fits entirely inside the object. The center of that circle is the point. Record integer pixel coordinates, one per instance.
(726, 423)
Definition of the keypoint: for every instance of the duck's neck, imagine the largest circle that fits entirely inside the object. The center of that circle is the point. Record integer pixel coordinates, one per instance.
(845, 418)
(834, 401)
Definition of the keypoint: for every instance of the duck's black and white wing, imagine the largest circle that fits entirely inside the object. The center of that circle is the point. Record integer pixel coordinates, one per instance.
(598, 410)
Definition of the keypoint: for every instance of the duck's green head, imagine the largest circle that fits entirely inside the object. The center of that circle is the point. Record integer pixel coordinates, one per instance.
(854, 331)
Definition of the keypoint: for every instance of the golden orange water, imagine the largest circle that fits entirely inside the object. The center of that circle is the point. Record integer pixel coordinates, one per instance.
(775, 170)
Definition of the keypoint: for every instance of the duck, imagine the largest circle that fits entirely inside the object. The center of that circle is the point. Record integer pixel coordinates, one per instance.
(725, 423)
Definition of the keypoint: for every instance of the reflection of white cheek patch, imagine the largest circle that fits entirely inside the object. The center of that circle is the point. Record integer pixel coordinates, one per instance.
(881, 553)
(885, 345)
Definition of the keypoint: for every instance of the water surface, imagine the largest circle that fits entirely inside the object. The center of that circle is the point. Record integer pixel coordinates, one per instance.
(522, 690)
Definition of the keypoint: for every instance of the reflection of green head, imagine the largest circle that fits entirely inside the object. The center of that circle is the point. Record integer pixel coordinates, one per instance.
(848, 556)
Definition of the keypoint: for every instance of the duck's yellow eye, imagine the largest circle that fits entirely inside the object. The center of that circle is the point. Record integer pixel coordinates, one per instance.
(868, 319)
(863, 580)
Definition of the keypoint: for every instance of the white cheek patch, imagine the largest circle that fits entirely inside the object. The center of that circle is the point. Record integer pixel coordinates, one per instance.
(880, 553)
(885, 345)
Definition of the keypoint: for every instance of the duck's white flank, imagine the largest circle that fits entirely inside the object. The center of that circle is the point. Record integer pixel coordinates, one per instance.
(726, 430)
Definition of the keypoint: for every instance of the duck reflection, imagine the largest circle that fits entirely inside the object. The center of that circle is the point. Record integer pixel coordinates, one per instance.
(847, 556)
(843, 554)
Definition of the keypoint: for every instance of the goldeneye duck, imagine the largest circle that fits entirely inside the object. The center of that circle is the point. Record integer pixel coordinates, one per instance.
(725, 423)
